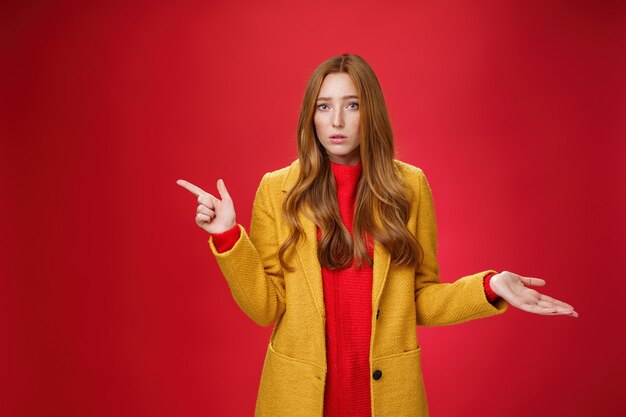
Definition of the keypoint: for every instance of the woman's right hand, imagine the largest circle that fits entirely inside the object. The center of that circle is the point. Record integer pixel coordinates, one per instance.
(212, 214)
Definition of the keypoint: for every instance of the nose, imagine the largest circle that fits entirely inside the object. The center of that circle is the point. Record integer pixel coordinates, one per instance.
(338, 119)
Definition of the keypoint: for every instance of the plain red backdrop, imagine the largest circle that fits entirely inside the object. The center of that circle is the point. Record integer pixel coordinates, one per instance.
(112, 304)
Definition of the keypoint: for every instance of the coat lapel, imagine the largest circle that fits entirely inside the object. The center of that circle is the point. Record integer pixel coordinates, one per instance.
(309, 262)
(381, 270)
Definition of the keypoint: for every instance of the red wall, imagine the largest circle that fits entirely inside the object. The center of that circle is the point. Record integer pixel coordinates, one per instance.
(111, 303)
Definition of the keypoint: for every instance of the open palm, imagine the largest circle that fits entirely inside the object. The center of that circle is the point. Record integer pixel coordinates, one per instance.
(513, 288)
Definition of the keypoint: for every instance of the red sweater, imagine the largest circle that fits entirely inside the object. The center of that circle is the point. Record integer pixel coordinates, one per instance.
(348, 302)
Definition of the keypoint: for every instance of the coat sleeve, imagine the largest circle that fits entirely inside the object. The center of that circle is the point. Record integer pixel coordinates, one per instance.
(251, 267)
(437, 303)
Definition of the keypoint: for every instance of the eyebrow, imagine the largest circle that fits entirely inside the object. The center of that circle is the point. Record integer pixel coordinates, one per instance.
(328, 98)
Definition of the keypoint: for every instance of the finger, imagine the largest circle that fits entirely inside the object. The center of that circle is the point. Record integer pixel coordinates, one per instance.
(205, 210)
(202, 218)
(566, 311)
(556, 302)
(208, 200)
(536, 282)
(546, 304)
(221, 188)
(536, 309)
(190, 187)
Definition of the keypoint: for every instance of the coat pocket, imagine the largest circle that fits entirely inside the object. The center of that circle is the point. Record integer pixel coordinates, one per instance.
(289, 387)
(397, 386)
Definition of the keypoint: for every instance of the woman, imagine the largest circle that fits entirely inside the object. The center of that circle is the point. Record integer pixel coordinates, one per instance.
(341, 256)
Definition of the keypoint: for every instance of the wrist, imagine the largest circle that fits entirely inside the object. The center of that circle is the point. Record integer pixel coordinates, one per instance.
(489, 281)
(223, 228)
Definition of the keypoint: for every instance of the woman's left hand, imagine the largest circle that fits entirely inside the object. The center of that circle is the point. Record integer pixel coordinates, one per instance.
(512, 287)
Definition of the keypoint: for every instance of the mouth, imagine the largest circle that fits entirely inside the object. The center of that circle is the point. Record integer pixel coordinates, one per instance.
(337, 138)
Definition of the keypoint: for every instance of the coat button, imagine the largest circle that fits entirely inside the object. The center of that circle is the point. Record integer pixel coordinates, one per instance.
(377, 313)
(377, 374)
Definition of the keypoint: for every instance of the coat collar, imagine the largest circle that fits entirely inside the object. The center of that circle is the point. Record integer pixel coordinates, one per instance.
(309, 262)
(292, 175)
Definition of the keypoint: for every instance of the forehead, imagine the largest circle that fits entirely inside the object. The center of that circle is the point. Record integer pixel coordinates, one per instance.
(337, 84)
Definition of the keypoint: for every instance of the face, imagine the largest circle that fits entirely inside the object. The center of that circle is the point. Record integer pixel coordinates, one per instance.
(336, 119)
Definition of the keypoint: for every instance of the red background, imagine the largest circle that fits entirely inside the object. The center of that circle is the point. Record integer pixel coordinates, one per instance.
(111, 303)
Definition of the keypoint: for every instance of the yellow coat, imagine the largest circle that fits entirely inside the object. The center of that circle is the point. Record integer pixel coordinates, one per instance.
(294, 371)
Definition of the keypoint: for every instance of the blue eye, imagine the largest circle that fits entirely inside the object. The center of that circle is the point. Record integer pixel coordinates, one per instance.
(356, 105)
(320, 106)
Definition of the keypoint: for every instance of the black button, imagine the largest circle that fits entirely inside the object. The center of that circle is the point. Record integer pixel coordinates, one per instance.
(377, 374)
(377, 313)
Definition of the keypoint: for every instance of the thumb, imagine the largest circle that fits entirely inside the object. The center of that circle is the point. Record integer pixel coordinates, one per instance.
(221, 188)
(535, 282)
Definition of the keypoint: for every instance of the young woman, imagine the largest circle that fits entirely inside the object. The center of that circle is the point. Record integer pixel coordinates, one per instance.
(341, 257)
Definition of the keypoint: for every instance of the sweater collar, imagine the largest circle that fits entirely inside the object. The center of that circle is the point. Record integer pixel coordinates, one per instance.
(292, 171)
(346, 176)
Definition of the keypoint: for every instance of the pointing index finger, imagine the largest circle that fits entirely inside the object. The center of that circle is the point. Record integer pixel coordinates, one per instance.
(191, 188)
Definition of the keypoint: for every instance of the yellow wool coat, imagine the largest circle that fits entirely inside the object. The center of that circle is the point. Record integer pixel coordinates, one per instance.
(294, 370)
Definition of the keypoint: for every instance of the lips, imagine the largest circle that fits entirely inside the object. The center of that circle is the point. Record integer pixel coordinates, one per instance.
(338, 138)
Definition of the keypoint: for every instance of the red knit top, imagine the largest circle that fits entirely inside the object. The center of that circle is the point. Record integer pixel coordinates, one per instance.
(348, 303)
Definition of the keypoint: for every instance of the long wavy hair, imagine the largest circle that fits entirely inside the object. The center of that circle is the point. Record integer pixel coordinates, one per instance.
(383, 202)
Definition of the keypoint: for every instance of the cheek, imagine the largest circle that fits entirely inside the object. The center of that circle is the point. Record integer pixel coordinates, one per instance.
(317, 121)
(356, 123)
